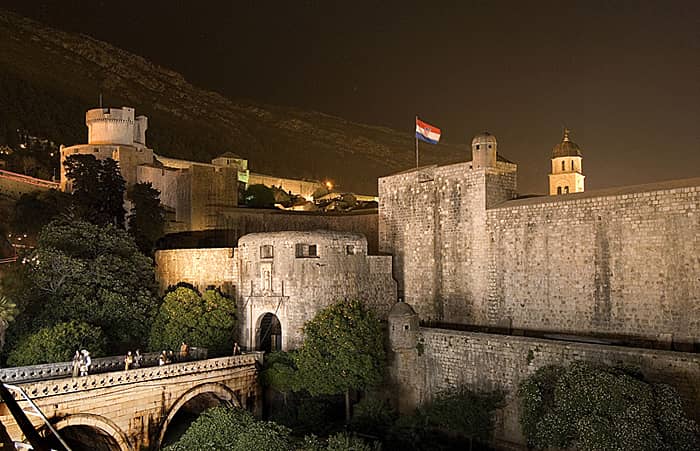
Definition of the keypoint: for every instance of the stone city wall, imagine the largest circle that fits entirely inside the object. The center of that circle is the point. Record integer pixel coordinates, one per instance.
(14, 185)
(485, 362)
(433, 221)
(620, 264)
(199, 267)
(237, 222)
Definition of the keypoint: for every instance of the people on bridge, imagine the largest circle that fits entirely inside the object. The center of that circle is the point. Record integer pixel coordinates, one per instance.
(171, 357)
(162, 359)
(236, 348)
(137, 359)
(85, 362)
(128, 361)
(184, 351)
(76, 363)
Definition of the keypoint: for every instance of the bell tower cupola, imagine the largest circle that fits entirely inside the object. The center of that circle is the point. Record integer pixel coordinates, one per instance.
(567, 174)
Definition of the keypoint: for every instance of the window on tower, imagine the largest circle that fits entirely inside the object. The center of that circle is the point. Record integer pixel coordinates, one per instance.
(563, 165)
(572, 165)
(566, 190)
(558, 189)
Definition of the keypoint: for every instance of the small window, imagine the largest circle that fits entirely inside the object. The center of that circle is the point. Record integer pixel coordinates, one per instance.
(566, 190)
(558, 189)
(563, 165)
(489, 146)
(306, 250)
(477, 147)
(572, 165)
(349, 249)
(266, 251)
(406, 327)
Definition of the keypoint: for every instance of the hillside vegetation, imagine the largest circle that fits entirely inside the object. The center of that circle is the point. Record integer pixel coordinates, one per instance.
(48, 78)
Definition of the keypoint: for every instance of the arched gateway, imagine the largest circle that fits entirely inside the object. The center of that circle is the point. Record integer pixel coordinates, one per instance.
(269, 333)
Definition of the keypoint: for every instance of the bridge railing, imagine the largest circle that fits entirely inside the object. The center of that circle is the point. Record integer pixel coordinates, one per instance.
(98, 365)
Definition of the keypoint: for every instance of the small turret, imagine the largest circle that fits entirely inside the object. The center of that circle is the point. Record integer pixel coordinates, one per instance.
(403, 327)
(484, 149)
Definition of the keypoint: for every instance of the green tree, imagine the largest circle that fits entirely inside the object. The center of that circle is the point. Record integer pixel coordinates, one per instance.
(98, 189)
(342, 351)
(81, 271)
(147, 218)
(57, 344)
(259, 196)
(223, 428)
(34, 210)
(280, 372)
(8, 310)
(207, 321)
(593, 407)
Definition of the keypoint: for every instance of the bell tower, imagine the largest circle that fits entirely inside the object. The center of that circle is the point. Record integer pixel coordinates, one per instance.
(567, 174)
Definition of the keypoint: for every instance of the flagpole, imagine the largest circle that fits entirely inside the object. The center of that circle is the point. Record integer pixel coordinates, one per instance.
(416, 144)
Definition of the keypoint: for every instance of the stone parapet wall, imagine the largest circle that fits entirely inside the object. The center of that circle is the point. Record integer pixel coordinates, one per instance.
(199, 267)
(621, 264)
(486, 362)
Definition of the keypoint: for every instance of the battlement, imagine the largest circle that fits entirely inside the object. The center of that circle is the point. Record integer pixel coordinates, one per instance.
(116, 126)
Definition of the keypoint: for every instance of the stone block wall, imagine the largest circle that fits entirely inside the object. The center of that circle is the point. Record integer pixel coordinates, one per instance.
(199, 267)
(433, 221)
(623, 262)
(295, 288)
(486, 362)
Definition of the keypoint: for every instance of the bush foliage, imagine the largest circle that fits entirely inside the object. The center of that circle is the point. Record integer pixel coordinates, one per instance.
(207, 320)
(232, 429)
(57, 344)
(593, 407)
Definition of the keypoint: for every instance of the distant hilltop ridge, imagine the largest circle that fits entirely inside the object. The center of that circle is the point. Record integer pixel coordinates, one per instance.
(70, 71)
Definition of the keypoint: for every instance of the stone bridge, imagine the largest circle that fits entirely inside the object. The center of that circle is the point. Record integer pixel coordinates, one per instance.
(132, 410)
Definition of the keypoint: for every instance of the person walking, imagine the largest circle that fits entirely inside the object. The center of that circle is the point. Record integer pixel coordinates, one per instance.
(128, 361)
(236, 348)
(162, 359)
(76, 363)
(85, 363)
(137, 359)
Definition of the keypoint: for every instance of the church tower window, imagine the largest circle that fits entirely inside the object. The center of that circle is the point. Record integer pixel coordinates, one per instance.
(563, 165)
(558, 189)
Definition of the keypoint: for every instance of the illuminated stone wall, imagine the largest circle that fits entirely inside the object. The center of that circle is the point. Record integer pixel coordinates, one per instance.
(433, 221)
(620, 261)
(485, 362)
(199, 267)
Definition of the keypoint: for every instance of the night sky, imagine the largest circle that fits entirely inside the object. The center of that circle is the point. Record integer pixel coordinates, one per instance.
(624, 76)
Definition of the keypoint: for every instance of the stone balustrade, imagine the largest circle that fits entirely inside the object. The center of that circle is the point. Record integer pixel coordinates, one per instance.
(56, 370)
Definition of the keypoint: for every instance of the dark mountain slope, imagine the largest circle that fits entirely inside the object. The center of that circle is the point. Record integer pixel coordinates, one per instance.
(48, 78)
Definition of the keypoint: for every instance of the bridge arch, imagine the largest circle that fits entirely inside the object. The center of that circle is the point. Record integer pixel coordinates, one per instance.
(219, 391)
(73, 427)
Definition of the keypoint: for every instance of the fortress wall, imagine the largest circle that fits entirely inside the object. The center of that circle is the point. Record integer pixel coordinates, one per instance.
(499, 362)
(15, 185)
(433, 221)
(199, 267)
(622, 265)
(241, 221)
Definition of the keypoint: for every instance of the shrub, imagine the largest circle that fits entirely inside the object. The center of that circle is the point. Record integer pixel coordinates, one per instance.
(57, 344)
(259, 196)
(373, 416)
(594, 407)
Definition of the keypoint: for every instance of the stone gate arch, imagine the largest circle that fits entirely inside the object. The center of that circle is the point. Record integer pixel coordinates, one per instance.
(220, 391)
(268, 333)
(87, 420)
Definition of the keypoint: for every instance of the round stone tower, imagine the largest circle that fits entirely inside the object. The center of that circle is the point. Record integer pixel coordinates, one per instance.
(567, 174)
(484, 146)
(115, 126)
(403, 327)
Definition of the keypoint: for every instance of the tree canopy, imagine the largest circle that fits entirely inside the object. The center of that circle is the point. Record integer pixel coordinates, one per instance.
(594, 407)
(147, 218)
(57, 344)
(232, 429)
(207, 320)
(84, 272)
(98, 189)
(342, 351)
(259, 196)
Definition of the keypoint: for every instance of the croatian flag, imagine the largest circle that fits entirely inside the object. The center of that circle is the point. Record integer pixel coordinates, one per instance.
(426, 132)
